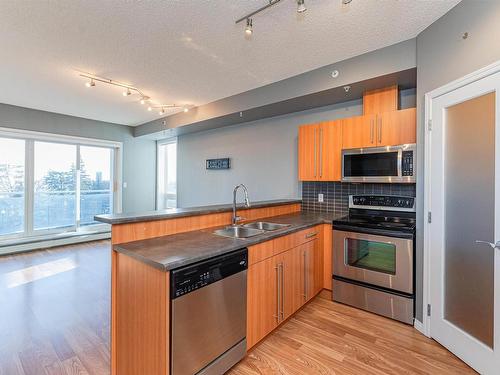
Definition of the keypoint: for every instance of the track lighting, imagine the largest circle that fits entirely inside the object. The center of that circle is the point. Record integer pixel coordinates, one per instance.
(249, 28)
(129, 90)
(301, 6)
(345, 2)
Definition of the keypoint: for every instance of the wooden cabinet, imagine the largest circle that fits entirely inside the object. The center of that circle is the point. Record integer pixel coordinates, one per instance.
(319, 151)
(380, 100)
(308, 152)
(262, 300)
(383, 129)
(358, 132)
(397, 127)
(280, 284)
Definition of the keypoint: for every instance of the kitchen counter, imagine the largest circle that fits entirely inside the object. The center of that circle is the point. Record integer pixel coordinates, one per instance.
(186, 212)
(177, 250)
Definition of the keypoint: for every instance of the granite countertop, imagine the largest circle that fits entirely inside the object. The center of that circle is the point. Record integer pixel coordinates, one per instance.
(184, 212)
(178, 250)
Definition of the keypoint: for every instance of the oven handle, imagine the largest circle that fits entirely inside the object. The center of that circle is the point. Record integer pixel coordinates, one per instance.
(400, 163)
(376, 232)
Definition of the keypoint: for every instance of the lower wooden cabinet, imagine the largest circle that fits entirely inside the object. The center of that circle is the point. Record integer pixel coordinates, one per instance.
(281, 284)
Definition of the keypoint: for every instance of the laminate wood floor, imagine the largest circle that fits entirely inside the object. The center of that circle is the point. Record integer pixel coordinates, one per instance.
(54, 319)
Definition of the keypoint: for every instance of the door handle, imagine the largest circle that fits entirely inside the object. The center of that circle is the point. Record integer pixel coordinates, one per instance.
(493, 245)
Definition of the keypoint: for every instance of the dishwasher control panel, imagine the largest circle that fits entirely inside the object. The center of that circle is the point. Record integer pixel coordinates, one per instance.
(198, 275)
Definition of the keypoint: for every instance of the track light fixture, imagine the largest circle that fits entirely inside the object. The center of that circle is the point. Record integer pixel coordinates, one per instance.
(301, 6)
(345, 2)
(129, 90)
(90, 83)
(249, 28)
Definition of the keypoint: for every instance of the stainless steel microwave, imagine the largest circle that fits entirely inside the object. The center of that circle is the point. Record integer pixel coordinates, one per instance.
(391, 164)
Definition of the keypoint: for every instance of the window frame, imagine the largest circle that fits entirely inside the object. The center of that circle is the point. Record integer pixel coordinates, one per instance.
(30, 137)
(160, 143)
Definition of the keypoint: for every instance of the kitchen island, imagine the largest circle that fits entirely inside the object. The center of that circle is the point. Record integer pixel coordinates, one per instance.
(147, 246)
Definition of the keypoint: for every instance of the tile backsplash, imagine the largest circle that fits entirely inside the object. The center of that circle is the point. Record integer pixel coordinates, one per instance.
(336, 194)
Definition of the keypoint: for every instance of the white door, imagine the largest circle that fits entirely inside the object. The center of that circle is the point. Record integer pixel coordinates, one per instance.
(463, 196)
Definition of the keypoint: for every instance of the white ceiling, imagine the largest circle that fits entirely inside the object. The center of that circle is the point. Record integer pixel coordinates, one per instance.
(184, 51)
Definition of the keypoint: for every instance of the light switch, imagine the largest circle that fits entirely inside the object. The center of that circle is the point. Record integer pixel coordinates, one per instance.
(124, 185)
(320, 198)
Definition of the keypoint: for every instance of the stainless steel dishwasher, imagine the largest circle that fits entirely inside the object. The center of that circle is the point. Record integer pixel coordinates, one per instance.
(208, 319)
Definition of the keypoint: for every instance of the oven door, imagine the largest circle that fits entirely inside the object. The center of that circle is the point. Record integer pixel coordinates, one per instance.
(377, 260)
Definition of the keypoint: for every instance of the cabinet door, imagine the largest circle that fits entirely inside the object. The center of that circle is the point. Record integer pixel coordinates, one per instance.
(397, 127)
(262, 300)
(358, 132)
(308, 152)
(318, 263)
(287, 273)
(380, 100)
(308, 268)
(330, 147)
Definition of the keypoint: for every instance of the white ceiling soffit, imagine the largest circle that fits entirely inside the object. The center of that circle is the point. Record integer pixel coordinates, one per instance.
(185, 51)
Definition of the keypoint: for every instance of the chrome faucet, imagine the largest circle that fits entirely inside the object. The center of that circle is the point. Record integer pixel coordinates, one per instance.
(247, 203)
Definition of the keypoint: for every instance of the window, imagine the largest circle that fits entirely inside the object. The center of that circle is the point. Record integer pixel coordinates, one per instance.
(12, 156)
(51, 184)
(167, 174)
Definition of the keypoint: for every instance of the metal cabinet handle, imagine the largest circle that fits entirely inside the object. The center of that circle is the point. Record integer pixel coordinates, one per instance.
(282, 292)
(320, 152)
(278, 292)
(493, 245)
(371, 130)
(380, 130)
(312, 234)
(305, 276)
(315, 150)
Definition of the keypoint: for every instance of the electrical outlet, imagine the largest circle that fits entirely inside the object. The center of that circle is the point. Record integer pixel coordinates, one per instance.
(320, 198)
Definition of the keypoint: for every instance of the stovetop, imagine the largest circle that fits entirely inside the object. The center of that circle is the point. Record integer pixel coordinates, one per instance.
(385, 213)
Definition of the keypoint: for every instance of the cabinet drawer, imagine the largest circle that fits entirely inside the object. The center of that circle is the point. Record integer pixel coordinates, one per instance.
(259, 252)
(295, 239)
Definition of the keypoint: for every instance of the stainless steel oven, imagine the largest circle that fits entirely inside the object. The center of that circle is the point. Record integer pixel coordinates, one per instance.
(383, 261)
(395, 164)
(373, 255)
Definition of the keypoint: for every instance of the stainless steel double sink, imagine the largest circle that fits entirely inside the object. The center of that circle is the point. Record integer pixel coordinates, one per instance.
(249, 230)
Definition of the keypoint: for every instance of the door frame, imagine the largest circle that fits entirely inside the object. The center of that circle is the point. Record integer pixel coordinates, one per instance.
(489, 70)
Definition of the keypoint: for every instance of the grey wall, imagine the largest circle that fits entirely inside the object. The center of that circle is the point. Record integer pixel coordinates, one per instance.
(263, 156)
(443, 56)
(139, 156)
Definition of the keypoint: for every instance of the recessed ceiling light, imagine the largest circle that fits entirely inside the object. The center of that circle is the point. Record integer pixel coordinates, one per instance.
(301, 6)
(249, 27)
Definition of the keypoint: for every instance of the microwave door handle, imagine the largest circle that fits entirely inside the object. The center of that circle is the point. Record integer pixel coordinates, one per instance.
(400, 163)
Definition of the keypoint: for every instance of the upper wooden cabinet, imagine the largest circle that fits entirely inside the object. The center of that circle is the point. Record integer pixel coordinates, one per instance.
(383, 129)
(319, 151)
(358, 132)
(397, 127)
(380, 100)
